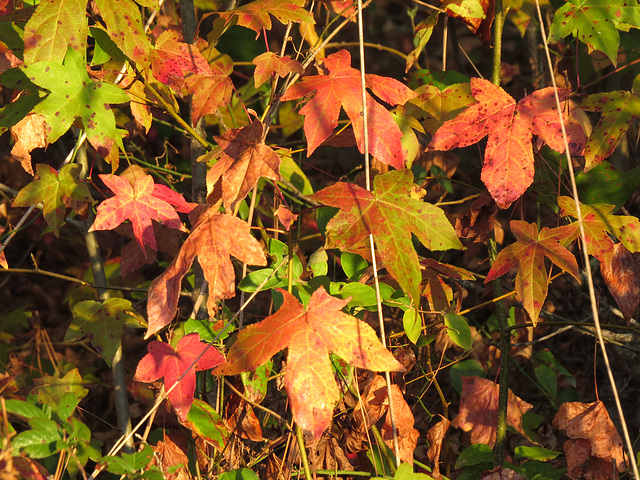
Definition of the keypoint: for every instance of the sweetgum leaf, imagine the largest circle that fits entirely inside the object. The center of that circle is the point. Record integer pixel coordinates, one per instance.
(309, 334)
(256, 15)
(391, 215)
(532, 282)
(244, 160)
(55, 26)
(213, 240)
(163, 361)
(340, 87)
(596, 23)
(124, 25)
(508, 164)
(102, 323)
(51, 188)
(172, 60)
(71, 95)
(269, 63)
(619, 110)
(598, 221)
(140, 203)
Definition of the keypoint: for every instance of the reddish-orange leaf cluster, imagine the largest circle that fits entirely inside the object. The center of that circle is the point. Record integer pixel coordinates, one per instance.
(478, 412)
(593, 441)
(309, 334)
(269, 63)
(339, 85)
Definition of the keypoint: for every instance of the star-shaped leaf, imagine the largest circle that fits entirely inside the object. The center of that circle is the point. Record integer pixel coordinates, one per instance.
(391, 215)
(55, 26)
(73, 95)
(213, 240)
(244, 159)
(596, 23)
(163, 361)
(532, 280)
(619, 109)
(598, 221)
(341, 87)
(508, 164)
(124, 25)
(52, 188)
(102, 323)
(309, 334)
(140, 203)
(256, 15)
(174, 59)
(269, 63)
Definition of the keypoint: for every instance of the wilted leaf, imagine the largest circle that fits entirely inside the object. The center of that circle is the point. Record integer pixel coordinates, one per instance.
(435, 437)
(214, 238)
(28, 133)
(528, 253)
(244, 159)
(163, 361)
(391, 215)
(508, 164)
(309, 334)
(478, 221)
(286, 217)
(339, 85)
(269, 63)
(51, 188)
(478, 412)
(593, 438)
(140, 203)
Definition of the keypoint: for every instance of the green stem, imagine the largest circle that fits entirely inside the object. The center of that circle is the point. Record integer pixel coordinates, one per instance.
(303, 453)
(498, 25)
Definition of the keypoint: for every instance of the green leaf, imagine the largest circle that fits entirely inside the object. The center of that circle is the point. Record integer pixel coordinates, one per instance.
(458, 330)
(292, 173)
(548, 379)
(40, 441)
(360, 295)
(606, 184)
(208, 330)
(129, 462)
(391, 215)
(474, 455)
(55, 26)
(204, 421)
(103, 323)
(73, 94)
(22, 408)
(412, 324)
(353, 265)
(52, 189)
(240, 474)
(595, 23)
(17, 110)
(465, 368)
(52, 389)
(535, 453)
(67, 404)
(124, 24)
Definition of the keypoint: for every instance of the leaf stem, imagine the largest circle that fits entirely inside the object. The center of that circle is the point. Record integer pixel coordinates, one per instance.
(303, 453)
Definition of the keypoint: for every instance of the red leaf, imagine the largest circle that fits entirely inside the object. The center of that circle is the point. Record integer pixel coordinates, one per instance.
(138, 204)
(508, 165)
(172, 60)
(532, 282)
(341, 87)
(244, 159)
(213, 240)
(478, 412)
(593, 438)
(163, 361)
(309, 334)
(269, 63)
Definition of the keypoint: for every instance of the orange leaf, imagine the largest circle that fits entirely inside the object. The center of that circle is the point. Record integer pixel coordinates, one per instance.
(173, 59)
(532, 282)
(309, 334)
(255, 15)
(621, 273)
(593, 438)
(244, 159)
(508, 164)
(29, 133)
(269, 63)
(341, 87)
(213, 240)
(478, 411)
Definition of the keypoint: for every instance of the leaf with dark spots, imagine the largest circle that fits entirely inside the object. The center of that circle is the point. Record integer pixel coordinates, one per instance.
(256, 15)
(124, 25)
(528, 253)
(309, 334)
(508, 164)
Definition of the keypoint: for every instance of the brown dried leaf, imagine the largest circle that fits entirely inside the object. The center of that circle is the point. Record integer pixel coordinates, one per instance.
(435, 437)
(29, 133)
(479, 410)
(501, 473)
(593, 438)
(407, 435)
(286, 217)
(244, 159)
(621, 273)
(242, 420)
(478, 222)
